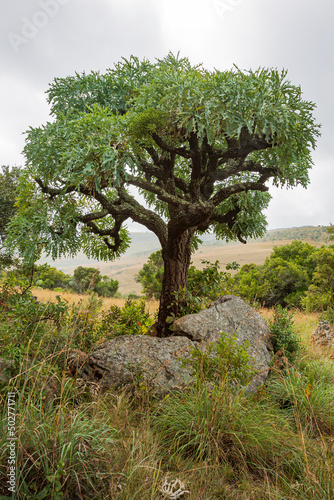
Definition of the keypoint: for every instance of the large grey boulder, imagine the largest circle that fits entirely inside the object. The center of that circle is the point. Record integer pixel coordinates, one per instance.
(120, 361)
(125, 359)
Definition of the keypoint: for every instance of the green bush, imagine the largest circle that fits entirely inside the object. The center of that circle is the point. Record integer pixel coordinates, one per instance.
(131, 319)
(223, 362)
(151, 274)
(283, 278)
(26, 324)
(90, 279)
(320, 295)
(283, 338)
(204, 286)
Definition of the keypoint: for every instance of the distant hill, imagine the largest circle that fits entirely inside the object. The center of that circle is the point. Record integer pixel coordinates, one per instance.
(143, 244)
(312, 233)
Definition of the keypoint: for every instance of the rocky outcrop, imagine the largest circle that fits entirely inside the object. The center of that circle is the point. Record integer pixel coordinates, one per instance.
(129, 358)
(323, 335)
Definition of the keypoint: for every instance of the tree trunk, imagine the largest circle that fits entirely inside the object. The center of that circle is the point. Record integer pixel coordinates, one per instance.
(176, 256)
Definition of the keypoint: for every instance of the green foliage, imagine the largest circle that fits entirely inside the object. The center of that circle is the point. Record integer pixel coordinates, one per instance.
(24, 321)
(107, 287)
(85, 278)
(151, 274)
(8, 191)
(283, 279)
(225, 362)
(299, 253)
(147, 122)
(320, 295)
(204, 286)
(285, 341)
(49, 277)
(89, 278)
(131, 319)
(102, 126)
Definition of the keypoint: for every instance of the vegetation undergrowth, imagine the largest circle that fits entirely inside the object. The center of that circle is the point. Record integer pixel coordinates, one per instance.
(74, 443)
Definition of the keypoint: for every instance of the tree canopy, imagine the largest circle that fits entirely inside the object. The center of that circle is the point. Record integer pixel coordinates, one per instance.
(199, 146)
(89, 278)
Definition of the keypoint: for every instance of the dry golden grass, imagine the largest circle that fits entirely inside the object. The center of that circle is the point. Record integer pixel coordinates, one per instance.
(74, 298)
(305, 323)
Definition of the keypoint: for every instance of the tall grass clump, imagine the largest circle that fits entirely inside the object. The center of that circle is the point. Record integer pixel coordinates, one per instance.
(61, 450)
(221, 428)
(214, 419)
(305, 392)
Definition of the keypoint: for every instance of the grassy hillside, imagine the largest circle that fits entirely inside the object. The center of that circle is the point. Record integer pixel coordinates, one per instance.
(143, 244)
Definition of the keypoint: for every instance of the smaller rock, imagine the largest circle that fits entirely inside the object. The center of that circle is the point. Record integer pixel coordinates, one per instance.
(323, 335)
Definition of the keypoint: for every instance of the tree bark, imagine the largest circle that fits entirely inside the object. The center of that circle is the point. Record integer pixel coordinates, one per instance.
(176, 256)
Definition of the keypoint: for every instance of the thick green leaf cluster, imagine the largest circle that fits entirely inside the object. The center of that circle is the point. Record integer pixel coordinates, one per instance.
(320, 294)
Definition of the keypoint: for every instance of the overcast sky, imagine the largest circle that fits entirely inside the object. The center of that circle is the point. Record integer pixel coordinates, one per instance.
(44, 39)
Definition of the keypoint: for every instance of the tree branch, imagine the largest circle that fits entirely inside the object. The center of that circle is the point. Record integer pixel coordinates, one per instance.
(161, 193)
(241, 148)
(113, 232)
(124, 207)
(184, 152)
(54, 191)
(226, 192)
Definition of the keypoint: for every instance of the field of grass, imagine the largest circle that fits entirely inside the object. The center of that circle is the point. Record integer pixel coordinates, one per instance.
(74, 298)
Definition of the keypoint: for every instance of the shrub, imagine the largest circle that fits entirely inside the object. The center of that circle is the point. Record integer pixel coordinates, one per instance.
(223, 362)
(151, 274)
(204, 286)
(131, 319)
(283, 338)
(25, 323)
(283, 278)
